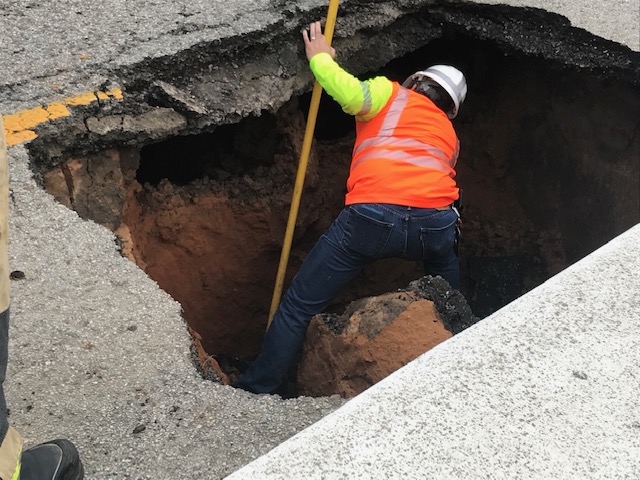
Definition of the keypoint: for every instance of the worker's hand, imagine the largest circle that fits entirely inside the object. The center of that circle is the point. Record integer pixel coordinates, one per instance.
(315, 43)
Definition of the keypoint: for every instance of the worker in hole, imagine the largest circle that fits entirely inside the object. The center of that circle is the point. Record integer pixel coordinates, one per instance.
(399, 202)
(53, 460)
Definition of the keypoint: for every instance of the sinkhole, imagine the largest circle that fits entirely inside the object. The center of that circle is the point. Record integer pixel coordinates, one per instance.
(549, 169)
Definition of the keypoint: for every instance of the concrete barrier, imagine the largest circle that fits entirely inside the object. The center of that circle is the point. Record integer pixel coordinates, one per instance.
(546, 387)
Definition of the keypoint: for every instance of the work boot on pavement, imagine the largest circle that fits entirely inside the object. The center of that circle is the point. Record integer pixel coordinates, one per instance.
(53, 460)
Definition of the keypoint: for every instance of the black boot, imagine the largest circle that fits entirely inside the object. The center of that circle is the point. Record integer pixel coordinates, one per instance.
(54, 460)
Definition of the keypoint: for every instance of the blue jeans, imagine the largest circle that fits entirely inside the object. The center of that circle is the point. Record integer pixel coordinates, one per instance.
(361, 234)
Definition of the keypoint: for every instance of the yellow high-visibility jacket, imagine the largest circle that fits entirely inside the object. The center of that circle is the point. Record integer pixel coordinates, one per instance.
(406, 148)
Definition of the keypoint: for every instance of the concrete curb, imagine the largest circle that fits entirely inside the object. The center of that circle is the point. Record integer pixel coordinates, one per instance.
(544, 388)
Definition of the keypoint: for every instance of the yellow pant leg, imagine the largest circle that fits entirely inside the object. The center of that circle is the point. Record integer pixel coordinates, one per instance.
(10, 453)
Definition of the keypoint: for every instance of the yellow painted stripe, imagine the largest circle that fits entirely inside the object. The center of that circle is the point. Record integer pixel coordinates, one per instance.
(19, 127)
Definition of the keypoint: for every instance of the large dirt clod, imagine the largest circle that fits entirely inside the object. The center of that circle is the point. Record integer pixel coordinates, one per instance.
(376, 336)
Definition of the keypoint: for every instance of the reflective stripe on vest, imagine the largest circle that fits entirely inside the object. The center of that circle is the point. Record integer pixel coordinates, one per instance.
(429, 156)
(393, 115)
(366, 100)
(433, 157)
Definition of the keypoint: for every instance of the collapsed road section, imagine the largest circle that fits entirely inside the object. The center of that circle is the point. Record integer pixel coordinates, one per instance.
(193, 170)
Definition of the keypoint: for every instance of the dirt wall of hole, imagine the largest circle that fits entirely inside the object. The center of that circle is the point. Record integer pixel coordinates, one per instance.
(215, 243)
(551, 170)
(549, 167)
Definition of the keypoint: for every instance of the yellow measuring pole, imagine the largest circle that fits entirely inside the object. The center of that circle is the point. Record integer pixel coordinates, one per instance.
(302, 169)
(4, 221)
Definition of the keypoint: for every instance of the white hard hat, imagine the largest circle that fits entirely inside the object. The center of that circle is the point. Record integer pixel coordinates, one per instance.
(449, 78)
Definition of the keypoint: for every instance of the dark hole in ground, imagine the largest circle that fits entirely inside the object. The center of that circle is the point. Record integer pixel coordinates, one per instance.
(531, 169)
(231, 150)
(545, 182)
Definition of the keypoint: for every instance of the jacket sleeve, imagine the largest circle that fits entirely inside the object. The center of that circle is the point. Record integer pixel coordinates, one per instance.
(363, 99)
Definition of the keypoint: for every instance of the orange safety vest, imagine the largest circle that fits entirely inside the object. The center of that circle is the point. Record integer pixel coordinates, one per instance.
(405, 155)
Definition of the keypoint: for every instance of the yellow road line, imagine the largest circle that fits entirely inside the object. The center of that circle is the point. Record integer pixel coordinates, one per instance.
(19, 127)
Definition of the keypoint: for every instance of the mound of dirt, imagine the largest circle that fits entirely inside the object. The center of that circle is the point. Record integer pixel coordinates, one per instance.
(346, 354)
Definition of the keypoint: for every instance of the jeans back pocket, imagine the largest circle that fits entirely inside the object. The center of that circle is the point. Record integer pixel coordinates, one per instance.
(365, 232)
(438, 240)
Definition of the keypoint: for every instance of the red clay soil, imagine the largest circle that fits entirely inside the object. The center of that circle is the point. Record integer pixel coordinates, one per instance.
(381, 335)
(215, 245)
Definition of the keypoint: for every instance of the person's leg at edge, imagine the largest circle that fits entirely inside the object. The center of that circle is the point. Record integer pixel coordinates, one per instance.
(53, 460)
(10, 440)
(326, 270)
